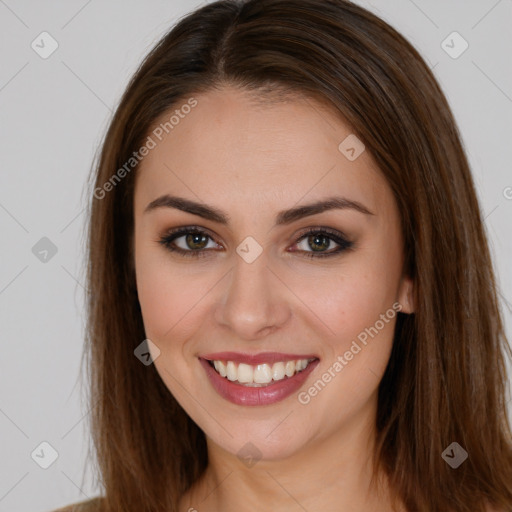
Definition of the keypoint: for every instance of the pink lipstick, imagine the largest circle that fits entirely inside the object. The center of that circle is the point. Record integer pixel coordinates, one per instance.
(257, 379)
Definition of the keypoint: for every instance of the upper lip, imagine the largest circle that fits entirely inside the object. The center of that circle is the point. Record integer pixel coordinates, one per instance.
(254, 359)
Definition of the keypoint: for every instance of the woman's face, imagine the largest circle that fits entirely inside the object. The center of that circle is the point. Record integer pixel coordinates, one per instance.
(250, 288)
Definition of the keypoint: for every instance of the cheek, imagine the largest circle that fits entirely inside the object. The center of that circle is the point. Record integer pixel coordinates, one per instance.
(170, 302)
(169, 295)
(358, 304)
(350, 299)
(360, 307)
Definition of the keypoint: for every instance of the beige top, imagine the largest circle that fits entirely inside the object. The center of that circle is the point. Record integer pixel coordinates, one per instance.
(91, 505)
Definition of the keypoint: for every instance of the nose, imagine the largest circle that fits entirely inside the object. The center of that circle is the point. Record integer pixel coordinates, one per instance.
(254, 300)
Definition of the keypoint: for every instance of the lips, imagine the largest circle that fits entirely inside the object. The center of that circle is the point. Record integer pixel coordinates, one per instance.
(257, 379)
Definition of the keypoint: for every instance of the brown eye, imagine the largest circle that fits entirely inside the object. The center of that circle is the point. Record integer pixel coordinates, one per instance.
(187, 242)
(196, 241)
(320, 240)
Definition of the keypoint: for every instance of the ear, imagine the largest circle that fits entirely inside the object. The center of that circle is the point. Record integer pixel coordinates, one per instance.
(406, 295)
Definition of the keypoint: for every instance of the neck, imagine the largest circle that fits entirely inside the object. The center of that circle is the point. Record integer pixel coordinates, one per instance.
(329, 473)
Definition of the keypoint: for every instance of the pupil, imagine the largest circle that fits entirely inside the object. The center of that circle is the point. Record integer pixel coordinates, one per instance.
(192, 239)
(313, 240)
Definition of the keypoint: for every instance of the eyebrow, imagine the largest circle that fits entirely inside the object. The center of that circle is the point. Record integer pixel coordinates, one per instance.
(284, 217)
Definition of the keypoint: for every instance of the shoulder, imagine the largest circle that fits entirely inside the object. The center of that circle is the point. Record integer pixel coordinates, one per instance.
(90, 505)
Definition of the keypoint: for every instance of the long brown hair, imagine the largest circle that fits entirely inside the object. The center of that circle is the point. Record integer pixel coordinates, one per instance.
(445, 381)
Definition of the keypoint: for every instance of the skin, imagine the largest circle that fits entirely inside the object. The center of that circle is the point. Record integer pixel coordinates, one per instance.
(245, 158)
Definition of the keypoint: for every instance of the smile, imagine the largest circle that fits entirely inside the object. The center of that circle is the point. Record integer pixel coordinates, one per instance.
(261, 374)
(261, 379)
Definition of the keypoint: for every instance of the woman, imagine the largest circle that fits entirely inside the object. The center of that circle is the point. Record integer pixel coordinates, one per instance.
(292, 302)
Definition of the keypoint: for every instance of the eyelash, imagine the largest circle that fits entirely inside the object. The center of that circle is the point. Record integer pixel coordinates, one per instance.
(335, 236)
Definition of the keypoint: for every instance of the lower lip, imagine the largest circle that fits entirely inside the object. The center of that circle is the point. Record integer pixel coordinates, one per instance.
(265, 395)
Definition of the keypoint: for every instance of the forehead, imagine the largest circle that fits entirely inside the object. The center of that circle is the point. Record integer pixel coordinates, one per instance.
(232, 150)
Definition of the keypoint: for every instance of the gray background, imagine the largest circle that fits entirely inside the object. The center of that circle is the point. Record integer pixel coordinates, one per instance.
(53, 114)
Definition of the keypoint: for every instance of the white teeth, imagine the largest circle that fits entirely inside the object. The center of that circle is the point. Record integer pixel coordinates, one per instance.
(245, 373)
(231, 371)
(278, 371)
(289, 368)
(260, 374)
(220, 367)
